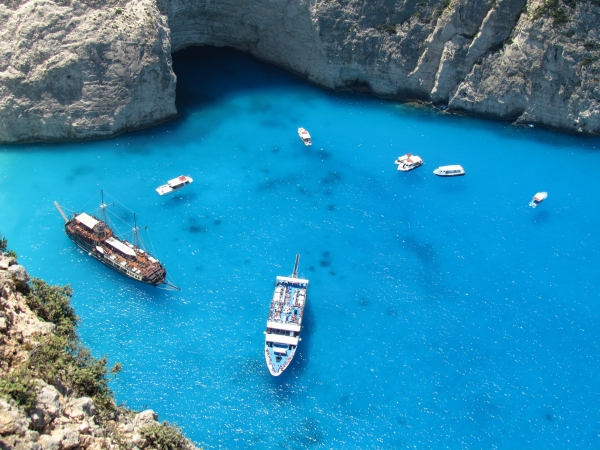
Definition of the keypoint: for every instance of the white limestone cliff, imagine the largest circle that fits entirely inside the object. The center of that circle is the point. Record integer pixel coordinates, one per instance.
(85, 70)
(71, 71)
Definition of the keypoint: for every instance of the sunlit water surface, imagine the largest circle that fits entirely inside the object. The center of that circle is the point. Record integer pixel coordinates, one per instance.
(441, 312)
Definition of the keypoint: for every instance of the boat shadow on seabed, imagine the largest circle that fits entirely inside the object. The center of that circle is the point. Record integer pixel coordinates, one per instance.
(541, 217)
(176, 200)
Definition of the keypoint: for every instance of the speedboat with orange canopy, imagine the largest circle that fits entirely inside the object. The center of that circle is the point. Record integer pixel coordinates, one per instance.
(538, 198)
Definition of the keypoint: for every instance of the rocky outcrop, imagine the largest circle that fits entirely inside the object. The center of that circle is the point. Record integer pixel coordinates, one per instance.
(58, 420)
(94, 69)
(63, 423)
(78, 70)
(546, 74)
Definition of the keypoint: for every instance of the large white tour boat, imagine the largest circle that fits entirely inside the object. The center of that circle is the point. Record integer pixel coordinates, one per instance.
(285, 321)
(304, 136)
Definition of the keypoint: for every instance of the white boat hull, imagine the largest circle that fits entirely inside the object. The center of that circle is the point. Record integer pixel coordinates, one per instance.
(174, 185)
(449, 171)
(284, 325)
(305, 136)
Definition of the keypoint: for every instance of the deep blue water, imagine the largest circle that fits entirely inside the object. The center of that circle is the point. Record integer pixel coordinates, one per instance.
(441, 312)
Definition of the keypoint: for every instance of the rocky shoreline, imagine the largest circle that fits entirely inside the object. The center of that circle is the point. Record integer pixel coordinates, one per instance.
(83, 69)
(37, 415)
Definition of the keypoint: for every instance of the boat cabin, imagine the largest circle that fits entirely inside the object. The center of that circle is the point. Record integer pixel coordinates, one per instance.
(304, 136)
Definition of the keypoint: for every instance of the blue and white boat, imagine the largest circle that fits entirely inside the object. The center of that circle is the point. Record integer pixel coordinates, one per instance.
(449, 171)
(285, 321)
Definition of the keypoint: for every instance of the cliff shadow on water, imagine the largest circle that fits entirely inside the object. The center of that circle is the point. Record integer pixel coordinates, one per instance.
(206, 74)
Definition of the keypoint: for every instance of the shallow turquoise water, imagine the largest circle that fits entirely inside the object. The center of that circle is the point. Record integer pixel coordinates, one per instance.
(441, 312)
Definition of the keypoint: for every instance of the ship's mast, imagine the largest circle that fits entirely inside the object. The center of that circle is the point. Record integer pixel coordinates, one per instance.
(136, 237)
(295, 273)
(103, 207)
(137, 241)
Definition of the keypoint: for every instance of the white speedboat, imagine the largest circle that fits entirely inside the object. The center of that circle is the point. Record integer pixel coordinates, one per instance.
(174, 185)
(449, 171)
(304, 136)
(408, 162)
(538, 198)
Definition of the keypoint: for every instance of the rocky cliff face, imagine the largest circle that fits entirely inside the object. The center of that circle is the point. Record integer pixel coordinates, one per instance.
(58, 419)
(78, 70)
(533, 61)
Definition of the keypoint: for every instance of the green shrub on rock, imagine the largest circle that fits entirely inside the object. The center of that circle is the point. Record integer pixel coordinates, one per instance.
(53, 304)
(4, 246)
(61, 356)
(59, 359)
(559, 17)
(163, 437)
(20, 387)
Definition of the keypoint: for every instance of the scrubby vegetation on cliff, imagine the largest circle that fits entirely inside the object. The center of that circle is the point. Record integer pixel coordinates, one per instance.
(56, 394)
(61, 356)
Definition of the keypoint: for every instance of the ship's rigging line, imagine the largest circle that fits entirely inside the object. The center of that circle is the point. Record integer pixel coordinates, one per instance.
(150, 239)
(102, 209)
(117, 201)
(113, 224)
(154, 253)
(86, 203)
(133, 212)
(124, 236)
(172, 285)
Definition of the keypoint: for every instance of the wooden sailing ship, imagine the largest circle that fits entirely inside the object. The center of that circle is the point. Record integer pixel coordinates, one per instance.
(95, 237)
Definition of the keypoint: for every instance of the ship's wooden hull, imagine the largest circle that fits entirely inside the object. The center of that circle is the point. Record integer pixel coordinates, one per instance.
(91, 250)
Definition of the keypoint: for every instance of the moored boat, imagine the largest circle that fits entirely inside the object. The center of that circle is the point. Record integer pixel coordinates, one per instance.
(95, 237)
(304, 136)
(175, 184)
(449, 171)
(538, 198)
(285, 321)
(408, 162)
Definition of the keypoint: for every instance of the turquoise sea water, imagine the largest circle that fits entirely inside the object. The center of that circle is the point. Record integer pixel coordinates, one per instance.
(442, 313)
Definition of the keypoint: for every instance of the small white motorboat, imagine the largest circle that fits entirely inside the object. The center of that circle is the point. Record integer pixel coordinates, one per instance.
(408, 162)
(538, 198)
(449, 171)
(174, 185)
(304, 136)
